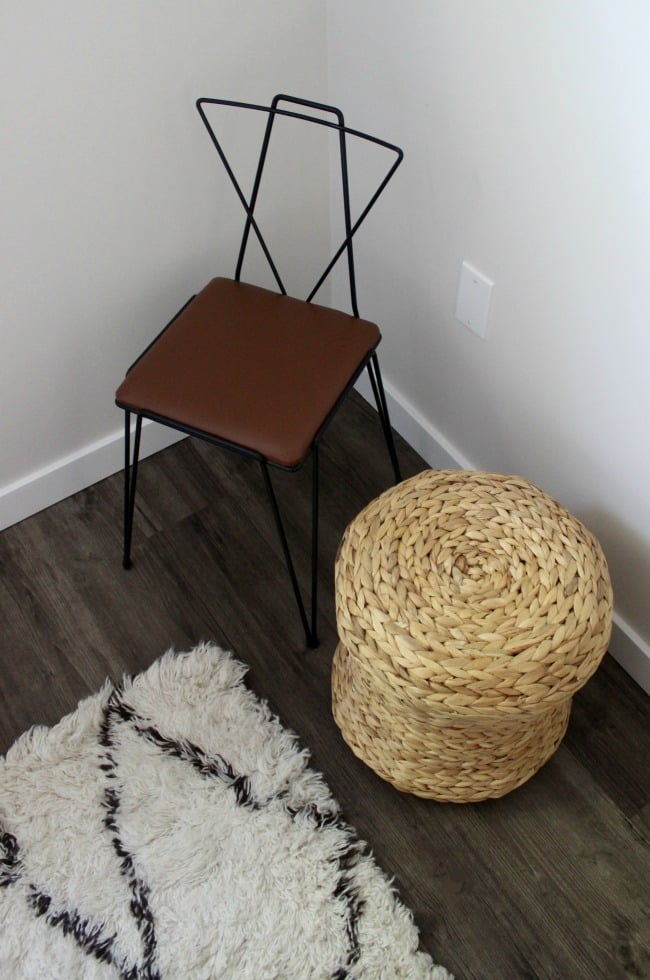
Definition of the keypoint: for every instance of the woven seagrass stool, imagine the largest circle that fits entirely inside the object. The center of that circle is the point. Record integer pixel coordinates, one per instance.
(470, 608)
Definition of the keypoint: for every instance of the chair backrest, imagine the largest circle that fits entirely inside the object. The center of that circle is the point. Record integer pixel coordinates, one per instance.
(317, 114)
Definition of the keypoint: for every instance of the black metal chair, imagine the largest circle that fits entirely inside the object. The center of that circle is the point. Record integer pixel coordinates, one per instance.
(255, 370)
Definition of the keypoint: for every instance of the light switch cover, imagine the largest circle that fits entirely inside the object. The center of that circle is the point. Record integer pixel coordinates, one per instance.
(473, 302)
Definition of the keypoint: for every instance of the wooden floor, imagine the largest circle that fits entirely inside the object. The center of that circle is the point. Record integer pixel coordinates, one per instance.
(552, 881)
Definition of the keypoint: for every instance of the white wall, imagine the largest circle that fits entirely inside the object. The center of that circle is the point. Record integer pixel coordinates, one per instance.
(109, 203)
(527, 153)
(525, 128)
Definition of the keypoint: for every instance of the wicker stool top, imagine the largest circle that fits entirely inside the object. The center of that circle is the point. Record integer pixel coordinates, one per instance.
(477, 589)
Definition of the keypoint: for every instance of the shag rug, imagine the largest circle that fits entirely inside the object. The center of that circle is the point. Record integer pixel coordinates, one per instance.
(171, 828)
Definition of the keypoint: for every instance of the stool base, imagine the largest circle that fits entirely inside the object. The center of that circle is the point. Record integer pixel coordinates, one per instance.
(437, 754)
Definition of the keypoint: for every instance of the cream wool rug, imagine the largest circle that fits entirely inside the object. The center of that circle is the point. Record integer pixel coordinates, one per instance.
(171, 828)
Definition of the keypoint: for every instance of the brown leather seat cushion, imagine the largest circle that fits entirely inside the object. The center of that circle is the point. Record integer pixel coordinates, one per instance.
(250, 366)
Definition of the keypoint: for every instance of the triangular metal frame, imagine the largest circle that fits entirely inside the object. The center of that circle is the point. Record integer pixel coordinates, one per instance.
(273, 111)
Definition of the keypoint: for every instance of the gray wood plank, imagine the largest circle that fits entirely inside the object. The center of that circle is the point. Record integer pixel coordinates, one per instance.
(551, 881)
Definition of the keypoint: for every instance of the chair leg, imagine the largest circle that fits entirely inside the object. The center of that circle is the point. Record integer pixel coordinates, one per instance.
(382, 408)
(130, 478)
(314, 544)
(310, 629)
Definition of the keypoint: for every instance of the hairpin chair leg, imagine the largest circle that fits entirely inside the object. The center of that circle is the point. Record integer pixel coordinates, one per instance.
(310, 630)
(313, 641)
(382, 408)
(130, 478)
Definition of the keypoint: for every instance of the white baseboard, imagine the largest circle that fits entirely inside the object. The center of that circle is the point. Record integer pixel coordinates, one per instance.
(418, 432)
(75, 472)
(629, 649)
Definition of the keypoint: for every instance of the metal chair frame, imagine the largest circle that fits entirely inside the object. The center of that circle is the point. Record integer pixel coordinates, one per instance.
(370, 363)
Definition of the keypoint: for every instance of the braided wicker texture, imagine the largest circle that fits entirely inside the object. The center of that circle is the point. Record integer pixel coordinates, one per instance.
(470, 608)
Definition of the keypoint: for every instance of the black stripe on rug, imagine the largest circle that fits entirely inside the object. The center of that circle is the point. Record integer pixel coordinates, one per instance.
(217, 767)
(139, 906)
(349, 892)
(211, 766)
(89, 936)
(10, 867)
